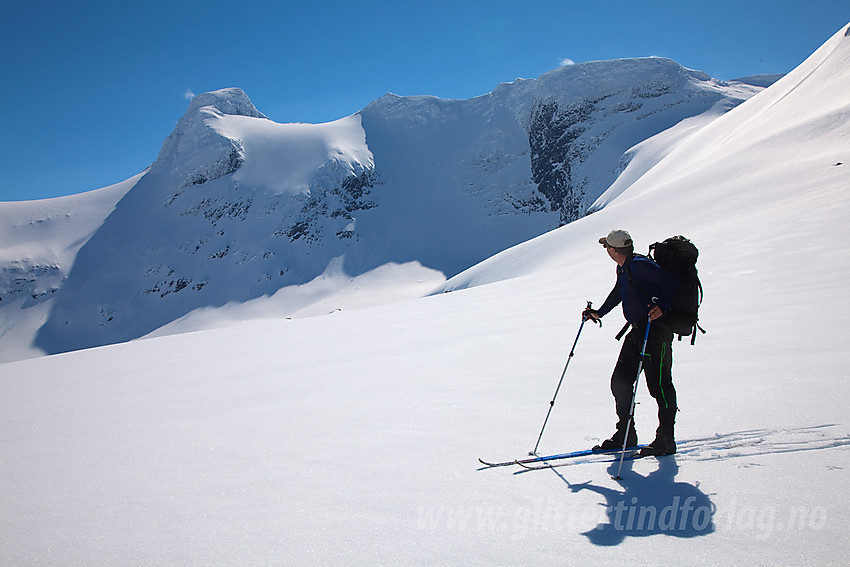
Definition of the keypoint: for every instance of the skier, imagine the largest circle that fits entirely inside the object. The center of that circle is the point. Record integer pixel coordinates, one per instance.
(646, 292)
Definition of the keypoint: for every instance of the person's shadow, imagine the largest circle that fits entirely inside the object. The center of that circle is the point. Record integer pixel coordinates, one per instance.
(650, 505)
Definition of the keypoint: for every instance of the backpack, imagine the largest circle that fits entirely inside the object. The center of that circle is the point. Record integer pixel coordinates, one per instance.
(678, 255)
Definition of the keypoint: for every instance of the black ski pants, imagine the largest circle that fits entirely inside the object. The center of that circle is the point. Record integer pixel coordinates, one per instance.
(657, 368)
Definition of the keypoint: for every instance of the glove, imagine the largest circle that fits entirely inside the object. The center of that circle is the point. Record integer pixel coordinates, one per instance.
(593, 315)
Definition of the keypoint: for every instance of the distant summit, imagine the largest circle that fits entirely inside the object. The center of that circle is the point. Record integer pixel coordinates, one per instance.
(232, 101)
(194, 152)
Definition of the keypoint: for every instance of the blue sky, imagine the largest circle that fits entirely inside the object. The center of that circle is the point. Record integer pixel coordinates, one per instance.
(92, 88)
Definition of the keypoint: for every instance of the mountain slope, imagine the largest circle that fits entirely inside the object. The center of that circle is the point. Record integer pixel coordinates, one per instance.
(568, 129)
(789, 144)
(40, 240)
(211, 219)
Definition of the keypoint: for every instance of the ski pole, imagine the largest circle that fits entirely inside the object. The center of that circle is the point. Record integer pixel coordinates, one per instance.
(552, 403)
(634, 398)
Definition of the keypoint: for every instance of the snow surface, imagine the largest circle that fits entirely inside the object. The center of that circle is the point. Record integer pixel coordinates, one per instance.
(352, 438)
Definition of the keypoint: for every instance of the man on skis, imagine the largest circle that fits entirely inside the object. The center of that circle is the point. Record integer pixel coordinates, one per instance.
(646, 293)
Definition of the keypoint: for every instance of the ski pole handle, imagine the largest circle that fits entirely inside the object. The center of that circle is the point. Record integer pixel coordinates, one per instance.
(588, 314)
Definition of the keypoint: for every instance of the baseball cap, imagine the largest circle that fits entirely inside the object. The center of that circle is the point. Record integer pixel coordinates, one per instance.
(616, 239)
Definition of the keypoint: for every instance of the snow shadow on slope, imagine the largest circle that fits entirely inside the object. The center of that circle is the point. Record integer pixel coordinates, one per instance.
(656, 504)
(650, 505)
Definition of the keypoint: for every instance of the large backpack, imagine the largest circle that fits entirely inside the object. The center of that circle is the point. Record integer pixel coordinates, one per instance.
(678, 255)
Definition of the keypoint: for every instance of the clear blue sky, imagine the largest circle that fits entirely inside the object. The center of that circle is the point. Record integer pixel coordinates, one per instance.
(90, 89)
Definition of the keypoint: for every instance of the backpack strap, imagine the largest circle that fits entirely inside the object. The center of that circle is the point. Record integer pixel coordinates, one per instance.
(627, 268)
(694, 334)
(696, 323)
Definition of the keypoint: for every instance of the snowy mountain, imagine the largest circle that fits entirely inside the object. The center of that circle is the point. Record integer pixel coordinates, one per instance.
(40, 240)
(237, 208)
(352, 438)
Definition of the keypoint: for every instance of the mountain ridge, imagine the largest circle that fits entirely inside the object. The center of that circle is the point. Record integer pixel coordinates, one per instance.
(237, 207)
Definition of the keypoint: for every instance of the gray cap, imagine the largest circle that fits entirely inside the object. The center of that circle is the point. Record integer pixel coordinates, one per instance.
(616, 239)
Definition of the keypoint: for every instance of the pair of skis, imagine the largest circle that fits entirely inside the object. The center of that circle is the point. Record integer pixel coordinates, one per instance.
(536, 462)
(714, 447)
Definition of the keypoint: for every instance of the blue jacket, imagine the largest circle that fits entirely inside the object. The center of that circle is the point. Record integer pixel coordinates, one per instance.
(650, 284)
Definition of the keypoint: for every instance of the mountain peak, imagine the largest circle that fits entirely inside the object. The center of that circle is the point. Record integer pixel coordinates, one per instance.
(231, 101)
(195, 152)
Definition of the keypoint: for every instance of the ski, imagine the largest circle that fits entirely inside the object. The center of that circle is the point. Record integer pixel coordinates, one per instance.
(546, 458)
(687, 446)
(631, 454)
